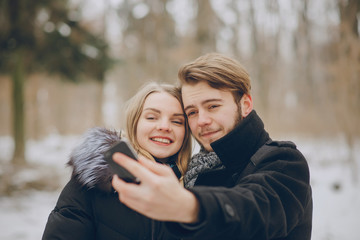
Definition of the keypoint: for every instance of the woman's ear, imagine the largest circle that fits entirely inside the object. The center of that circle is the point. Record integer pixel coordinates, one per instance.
(246, 104)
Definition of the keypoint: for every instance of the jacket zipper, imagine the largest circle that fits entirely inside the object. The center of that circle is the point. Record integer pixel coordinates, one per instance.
(153, 235)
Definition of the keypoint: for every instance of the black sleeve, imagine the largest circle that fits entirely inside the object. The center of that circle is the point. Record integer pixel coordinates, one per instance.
(72, 218)
(266, 204)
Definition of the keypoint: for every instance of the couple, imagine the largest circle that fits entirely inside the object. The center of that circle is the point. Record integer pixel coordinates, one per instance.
(241, 185)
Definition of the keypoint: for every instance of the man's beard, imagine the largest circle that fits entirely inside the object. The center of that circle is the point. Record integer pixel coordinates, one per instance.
(239, 116)
(237, 121)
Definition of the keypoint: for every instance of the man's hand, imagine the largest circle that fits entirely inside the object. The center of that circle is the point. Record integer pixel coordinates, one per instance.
(159, 195)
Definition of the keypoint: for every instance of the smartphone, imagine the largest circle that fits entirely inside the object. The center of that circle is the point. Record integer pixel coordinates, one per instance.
(123, 146)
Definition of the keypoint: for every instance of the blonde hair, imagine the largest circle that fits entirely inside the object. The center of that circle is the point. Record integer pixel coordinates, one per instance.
(133, 112)
(219, 72)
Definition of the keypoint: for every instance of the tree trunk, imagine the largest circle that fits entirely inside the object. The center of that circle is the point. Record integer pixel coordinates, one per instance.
(18, 110)
(207, 27)
(99, 120)
(258, 51)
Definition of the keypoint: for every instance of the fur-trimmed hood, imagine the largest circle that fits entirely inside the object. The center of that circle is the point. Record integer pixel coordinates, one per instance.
(87, 159)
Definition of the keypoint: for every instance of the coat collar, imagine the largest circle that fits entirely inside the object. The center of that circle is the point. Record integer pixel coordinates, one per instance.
(236, 148)
(87, 159)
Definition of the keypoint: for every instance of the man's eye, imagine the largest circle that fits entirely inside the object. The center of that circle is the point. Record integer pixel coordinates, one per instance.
(191, 113)
(213, 106)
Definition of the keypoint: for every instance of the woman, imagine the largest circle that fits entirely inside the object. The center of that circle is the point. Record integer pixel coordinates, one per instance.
(88, 208)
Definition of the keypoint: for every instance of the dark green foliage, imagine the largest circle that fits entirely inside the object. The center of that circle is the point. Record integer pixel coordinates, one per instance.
(51, 40)
(45, 36)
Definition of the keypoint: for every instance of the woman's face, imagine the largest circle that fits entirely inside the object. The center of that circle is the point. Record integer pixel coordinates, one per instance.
(161, 127)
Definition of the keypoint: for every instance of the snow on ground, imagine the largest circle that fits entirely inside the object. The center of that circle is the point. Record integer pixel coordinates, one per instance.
(336, 196)
(24, 216)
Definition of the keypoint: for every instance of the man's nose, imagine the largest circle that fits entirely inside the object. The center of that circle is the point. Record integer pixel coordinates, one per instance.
(203, 119)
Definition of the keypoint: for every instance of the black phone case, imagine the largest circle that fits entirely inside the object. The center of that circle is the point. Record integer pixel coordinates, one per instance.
(123, 146)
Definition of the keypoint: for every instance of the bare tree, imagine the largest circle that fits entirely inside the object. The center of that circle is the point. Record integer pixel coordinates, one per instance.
(342, 56)
(265, 58)
(207, 26)
(304, 56)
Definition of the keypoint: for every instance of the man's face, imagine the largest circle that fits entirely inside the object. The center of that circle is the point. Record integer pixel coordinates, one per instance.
(211, 113)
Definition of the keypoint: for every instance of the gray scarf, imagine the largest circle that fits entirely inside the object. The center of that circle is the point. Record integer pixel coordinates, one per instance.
(199, 163)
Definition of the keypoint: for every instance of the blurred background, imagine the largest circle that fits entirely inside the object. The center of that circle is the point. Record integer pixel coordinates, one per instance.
(66, 66)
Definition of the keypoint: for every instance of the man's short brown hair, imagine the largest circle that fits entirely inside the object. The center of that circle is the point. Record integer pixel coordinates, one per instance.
(219, 71)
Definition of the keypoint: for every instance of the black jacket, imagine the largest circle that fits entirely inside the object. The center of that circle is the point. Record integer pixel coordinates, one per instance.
(88, 208)
(262, 193)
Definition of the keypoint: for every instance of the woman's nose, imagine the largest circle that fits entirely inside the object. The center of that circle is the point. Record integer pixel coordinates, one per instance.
(164, 125)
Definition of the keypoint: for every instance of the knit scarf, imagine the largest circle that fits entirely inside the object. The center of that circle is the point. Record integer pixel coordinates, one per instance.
(199, 163)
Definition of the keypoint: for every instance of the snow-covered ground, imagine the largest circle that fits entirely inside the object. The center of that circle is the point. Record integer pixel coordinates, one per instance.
(336, 196)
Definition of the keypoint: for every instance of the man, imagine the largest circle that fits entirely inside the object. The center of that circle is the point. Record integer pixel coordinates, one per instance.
(242, 185)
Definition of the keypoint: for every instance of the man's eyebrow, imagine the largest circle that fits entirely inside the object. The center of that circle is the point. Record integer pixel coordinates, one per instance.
(188, 107)
(204, 102)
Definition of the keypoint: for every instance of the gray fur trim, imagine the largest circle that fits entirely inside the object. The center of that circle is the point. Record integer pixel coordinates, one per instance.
(87, 160)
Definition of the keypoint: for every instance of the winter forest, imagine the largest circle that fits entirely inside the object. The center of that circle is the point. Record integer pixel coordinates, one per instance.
(66, 66)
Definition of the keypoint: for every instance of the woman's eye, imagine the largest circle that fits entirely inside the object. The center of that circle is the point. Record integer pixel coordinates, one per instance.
(150, 117)
(178, 122)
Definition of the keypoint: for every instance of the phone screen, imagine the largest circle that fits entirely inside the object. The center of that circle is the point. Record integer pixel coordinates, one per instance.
(123, 146)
